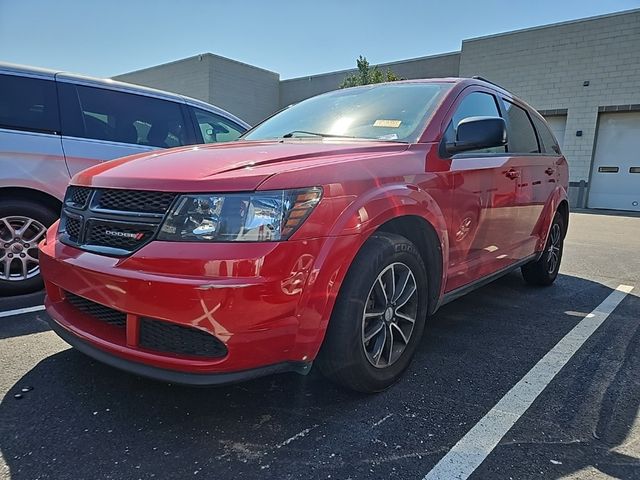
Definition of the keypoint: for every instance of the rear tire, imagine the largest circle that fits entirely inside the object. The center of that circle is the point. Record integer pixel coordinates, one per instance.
(379, 316)
(23, 225)
(544, 271)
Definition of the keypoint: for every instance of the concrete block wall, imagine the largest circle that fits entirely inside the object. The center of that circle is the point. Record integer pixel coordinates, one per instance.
(189, 76)
(295, 89)
(547, 66)
(248, 92)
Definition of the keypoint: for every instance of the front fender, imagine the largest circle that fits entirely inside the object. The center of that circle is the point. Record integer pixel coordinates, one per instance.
(347, 235)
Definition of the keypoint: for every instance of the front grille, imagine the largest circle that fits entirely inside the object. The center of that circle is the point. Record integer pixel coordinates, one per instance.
(72, 226)
(135, 201)
(172, 338)
(112, 222)
(77, 196)
(96, 310)
(118, 235)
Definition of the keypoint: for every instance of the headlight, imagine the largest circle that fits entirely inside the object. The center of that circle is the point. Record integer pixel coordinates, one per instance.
(241, 217)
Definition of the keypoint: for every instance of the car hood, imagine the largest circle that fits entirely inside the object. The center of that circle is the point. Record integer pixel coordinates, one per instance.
(237, 166)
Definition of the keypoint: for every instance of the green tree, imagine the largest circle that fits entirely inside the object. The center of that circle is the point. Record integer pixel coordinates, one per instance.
(367, 75)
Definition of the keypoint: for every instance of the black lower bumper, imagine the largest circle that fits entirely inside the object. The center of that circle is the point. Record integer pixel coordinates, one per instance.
(174, 376)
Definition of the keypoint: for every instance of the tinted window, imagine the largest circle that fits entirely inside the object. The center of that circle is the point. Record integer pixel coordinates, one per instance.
(121, 117)
(548, 143)
(28, 104)
(522, 137)
(215, 128)
(475, 104)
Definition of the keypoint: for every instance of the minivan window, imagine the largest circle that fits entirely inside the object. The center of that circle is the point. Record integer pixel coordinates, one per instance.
(115, 116)
(215, 128)
(548, 143)
(522, 136)
(28, 104)
(475, 104)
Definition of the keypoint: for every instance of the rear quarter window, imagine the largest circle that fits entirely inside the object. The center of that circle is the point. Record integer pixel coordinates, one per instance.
(28, 104)
(548, 142)
(214, 129)
(522, 137)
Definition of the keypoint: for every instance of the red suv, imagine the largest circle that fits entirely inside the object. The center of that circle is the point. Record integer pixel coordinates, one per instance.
(328, 233)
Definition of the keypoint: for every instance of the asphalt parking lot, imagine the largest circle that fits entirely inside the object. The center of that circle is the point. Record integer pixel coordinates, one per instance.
(84, 420)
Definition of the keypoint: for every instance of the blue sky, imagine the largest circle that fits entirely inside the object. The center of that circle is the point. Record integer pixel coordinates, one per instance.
(293, 38)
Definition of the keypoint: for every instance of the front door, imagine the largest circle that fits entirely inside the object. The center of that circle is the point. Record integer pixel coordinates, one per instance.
(484, 185)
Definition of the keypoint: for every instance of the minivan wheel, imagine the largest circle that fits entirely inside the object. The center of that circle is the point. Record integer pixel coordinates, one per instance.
(544, 271)
(379, 316)
(23, 225)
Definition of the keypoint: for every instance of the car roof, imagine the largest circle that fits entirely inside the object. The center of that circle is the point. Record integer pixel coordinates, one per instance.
(115, 85)
(464, 81)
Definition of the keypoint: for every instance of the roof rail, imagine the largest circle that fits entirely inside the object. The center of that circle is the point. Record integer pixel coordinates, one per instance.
(478, 77)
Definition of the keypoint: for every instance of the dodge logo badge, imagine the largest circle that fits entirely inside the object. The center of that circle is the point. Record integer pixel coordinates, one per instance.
(135, 236)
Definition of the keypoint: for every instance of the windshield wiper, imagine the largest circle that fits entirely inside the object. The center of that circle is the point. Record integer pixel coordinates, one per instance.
(315, 134)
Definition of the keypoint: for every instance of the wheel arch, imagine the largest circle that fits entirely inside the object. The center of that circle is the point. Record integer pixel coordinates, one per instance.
(404, 210)
(423, 235)
(33, 195)
(563, 209)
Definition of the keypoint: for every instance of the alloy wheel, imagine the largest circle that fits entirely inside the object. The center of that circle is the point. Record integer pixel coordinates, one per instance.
(553, 252)
(389, 315)
(19, 237)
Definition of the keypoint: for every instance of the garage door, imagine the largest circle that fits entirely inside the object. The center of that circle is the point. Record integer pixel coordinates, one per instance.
(558, 125)
(615, 178)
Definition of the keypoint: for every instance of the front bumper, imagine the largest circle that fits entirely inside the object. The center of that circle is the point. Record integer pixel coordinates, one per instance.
(172, 376)
(268, 303)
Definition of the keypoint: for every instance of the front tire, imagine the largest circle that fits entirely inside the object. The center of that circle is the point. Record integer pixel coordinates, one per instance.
(23, 225)
(379, 316)
(544, 271)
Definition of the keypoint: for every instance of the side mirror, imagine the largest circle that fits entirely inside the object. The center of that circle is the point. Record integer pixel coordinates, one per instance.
(474, 133)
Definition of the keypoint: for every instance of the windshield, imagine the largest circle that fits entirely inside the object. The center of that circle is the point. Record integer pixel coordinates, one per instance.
(389, 111)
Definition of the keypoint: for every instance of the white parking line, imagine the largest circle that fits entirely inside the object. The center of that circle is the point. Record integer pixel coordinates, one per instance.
(20, 311)
(466, 455)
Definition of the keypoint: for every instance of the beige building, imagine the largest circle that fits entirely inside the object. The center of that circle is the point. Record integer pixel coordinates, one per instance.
(583, 75)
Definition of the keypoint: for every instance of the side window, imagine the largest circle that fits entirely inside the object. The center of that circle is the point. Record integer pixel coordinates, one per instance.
(114, 116)
(215, 128)
(28, 104)
(475, 104)
(548, 143)
(522, 136)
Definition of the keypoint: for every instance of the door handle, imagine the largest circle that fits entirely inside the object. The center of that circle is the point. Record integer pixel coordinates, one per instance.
(549, 171)
(512, 174)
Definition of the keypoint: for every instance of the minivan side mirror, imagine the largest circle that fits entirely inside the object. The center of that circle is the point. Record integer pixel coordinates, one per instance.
(474, 133)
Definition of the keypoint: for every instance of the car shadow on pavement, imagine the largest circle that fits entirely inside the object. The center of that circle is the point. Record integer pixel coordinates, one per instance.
(82, 419)
(20, 325)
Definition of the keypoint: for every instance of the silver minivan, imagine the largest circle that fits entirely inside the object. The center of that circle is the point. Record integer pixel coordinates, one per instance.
(53, 125)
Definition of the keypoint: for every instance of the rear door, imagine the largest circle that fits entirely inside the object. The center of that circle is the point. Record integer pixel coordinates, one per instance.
(536, 180)
(100, 124)
(483, 199)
